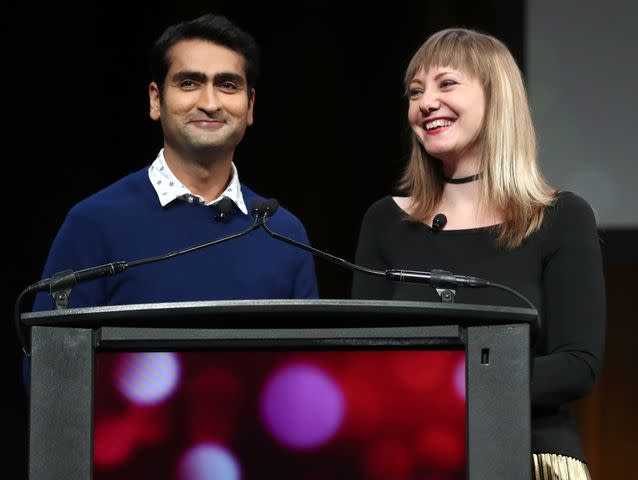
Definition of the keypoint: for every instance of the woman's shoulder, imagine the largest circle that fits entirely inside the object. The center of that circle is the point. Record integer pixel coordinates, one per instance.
(569, 205)
(386, 206)
(569, 215)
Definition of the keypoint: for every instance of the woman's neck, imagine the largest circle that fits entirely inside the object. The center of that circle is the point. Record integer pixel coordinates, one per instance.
(460, 203)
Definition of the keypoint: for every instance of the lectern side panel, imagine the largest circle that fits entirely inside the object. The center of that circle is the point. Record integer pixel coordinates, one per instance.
(498, 371)
(61, 403)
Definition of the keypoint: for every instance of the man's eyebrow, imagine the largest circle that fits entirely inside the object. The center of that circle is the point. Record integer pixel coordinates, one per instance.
(202, 77)
(189, 75)
(230, 76)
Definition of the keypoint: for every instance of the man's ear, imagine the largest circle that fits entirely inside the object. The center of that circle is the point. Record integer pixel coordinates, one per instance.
(154, 101)
(251, 107)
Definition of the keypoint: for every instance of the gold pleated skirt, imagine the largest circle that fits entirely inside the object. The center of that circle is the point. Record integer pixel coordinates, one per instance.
(548, 466)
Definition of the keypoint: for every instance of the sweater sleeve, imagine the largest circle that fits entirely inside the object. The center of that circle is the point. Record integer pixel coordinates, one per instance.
(369, 254)
(573, 308)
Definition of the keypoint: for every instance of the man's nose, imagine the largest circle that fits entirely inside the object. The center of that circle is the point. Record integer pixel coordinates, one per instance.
(209, 99)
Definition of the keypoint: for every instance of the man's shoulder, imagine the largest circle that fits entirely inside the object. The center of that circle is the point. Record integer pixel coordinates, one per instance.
(124, 193)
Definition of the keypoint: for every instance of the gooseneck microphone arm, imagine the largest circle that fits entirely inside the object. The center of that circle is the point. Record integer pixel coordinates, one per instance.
(256, 224)
(324, 255)
(442, 281)
(69, 278)
(60, 284)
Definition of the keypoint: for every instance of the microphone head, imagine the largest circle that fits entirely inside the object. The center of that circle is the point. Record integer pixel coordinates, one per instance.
(223, 208)
(438, 222)
(256, 207)
(270, 207)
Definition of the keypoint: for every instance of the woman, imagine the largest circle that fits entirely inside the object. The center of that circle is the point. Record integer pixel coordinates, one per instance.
(474, 161)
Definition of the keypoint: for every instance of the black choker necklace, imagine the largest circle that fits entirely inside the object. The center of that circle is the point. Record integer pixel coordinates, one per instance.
(471, 178)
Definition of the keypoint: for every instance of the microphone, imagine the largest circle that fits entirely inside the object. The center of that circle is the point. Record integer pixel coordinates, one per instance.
(68, 278)
(223, 208)
(61, 283)
(438, 222)
(438, 278)
(269, 208)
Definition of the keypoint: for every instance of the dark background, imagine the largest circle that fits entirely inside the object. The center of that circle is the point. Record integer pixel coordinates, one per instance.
(329, 138)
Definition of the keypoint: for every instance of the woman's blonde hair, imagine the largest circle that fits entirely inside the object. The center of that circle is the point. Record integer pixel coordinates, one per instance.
(511, 181)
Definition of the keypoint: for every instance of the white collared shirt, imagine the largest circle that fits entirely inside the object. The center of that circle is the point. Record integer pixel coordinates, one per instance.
(169, 188)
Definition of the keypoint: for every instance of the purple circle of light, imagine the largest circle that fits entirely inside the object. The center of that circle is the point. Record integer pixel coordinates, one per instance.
(302, 406)
(208, 461)
(147, 378)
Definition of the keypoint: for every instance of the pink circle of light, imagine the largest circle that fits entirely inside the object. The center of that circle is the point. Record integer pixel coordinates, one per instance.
(459, 378)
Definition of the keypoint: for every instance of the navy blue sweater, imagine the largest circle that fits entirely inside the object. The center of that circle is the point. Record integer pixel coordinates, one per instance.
(125, 222)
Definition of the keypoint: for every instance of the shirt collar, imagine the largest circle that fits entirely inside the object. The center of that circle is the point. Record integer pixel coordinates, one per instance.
(169, 188)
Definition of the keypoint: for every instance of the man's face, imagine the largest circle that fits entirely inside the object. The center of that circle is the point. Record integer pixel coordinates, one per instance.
(205, 105)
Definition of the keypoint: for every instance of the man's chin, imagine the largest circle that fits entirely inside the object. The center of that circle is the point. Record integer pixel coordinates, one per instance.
(212, 146)
(208, 141)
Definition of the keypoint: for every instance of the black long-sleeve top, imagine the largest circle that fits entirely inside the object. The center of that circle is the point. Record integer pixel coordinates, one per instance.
(558, 268)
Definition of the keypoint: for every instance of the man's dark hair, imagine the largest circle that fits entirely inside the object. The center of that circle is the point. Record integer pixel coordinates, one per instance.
(212, 28)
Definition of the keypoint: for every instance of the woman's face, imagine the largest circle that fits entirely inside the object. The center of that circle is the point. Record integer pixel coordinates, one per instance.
(446, 112)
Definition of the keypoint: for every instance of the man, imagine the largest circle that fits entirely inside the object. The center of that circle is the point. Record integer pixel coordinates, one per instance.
(202, 92)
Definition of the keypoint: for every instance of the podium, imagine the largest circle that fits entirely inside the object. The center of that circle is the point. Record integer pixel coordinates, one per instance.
(496, 341)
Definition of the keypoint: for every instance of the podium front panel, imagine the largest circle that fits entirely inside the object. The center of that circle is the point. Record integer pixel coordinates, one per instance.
(491, 346)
